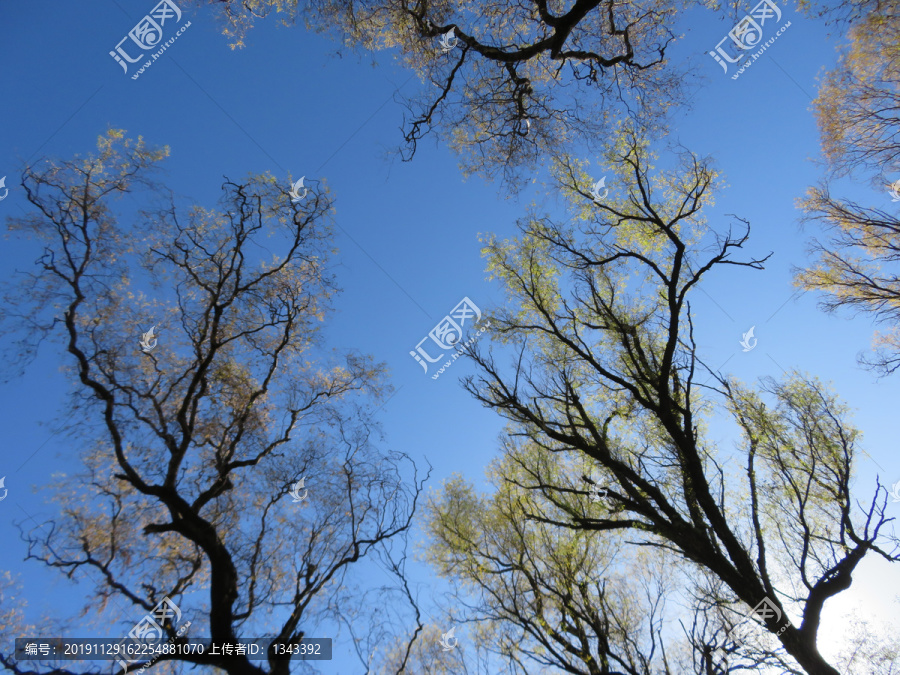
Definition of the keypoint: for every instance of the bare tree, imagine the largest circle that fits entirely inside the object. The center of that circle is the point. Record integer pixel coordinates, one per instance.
(871, 650)
(856, 266)
(193, 443)
(426, 656)
(604, 365)
(542, 596)
(857, 101)
(510, 83)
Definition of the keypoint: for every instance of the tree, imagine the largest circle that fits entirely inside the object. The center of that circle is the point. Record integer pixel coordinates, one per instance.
(193, 443)
(521, 81)
(428, 657)
(604, 365)
(857, 266)
(856, 104)
(872, 650)
(540, 595)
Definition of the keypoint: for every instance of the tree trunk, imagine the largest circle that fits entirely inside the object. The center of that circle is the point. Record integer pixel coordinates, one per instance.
(806, 654)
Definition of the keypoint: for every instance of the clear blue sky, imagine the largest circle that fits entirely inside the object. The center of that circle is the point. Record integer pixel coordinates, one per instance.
(408, 233)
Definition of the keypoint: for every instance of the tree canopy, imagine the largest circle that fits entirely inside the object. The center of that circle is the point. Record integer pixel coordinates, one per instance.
(509, 83)
(193, 442)
(233, 466)
(604, 365)
(856, 265)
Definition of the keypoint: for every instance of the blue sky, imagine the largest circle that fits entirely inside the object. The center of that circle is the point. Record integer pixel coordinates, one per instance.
(408, 232)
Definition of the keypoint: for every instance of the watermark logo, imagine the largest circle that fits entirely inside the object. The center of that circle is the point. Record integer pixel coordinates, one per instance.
(3, 485)
(448, 41)
(597, 490)
(598, 493)
(148, 340)
(893, 189)
(895, 491)
(595, 191)
(148, 34)
(765, 609)
(448, 640)
(747, 34)
(151, 627)
(295, 491)
(295, 190)
(746, 338)
(766, 612)
(447, 334)
(5, 189)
